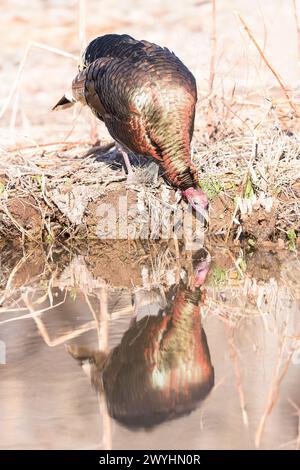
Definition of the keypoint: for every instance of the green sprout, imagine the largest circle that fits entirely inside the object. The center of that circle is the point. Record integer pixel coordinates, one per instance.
(49, 238)
(211, 187)
(38, 179)
(292, 237)
(243, 265)
(218, 275)
(67, 182)
(251, 242)
(249, 192)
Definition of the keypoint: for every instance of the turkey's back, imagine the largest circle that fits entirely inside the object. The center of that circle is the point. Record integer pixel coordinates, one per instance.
(142, 62)
(145, 95)
(112, 45)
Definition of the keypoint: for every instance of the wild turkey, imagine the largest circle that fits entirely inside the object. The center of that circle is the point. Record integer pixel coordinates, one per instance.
(162, 368)
(146, 97)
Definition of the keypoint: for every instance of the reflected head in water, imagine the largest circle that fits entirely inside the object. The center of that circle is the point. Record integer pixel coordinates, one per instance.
(162, 367)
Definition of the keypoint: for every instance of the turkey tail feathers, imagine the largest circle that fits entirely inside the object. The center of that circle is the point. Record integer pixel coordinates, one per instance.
(64, 103)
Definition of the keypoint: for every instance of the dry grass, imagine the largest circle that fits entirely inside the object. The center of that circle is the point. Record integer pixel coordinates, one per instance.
(266, 61)
(269, 159)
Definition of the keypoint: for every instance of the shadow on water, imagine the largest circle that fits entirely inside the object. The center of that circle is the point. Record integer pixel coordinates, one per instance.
(133, 316)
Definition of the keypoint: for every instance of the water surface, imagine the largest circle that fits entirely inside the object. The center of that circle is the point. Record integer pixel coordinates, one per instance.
(78, 365)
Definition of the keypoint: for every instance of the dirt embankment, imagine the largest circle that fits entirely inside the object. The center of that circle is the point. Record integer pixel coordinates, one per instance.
(65, 193)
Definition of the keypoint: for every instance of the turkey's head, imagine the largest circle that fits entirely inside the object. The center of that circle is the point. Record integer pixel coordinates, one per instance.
(201, 271)
(197, 199)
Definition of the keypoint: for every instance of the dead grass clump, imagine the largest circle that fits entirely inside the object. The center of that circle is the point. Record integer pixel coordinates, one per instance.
(257, 178)
(54, 192)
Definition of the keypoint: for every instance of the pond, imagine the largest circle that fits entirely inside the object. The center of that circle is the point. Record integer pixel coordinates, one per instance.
(121, 345)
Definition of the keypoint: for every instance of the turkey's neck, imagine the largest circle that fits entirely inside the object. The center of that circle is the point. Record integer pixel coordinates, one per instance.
(178, 166)
(186, 309)
(184, 321)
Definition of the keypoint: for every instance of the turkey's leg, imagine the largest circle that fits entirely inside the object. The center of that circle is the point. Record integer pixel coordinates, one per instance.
(94, 132)
(127, 164)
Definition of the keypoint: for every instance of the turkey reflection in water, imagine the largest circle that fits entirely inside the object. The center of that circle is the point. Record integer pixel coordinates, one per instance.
(134, 318)
(162, 368)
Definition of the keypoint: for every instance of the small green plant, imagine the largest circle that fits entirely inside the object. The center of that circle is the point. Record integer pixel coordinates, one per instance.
(49, 238)
(292, 237)
(38, 179)
(243, 264)
(251, 242)
(2, 188)
(67, 182)
(218, 275)
(248, 192)
(211, 187)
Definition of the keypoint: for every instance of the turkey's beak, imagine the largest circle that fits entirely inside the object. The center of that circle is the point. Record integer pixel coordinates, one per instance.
(201, 271)
(64, 103)
(198, 200)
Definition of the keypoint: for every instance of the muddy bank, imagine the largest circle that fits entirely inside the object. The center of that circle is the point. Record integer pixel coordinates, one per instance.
(133, 265)
(66, 193)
